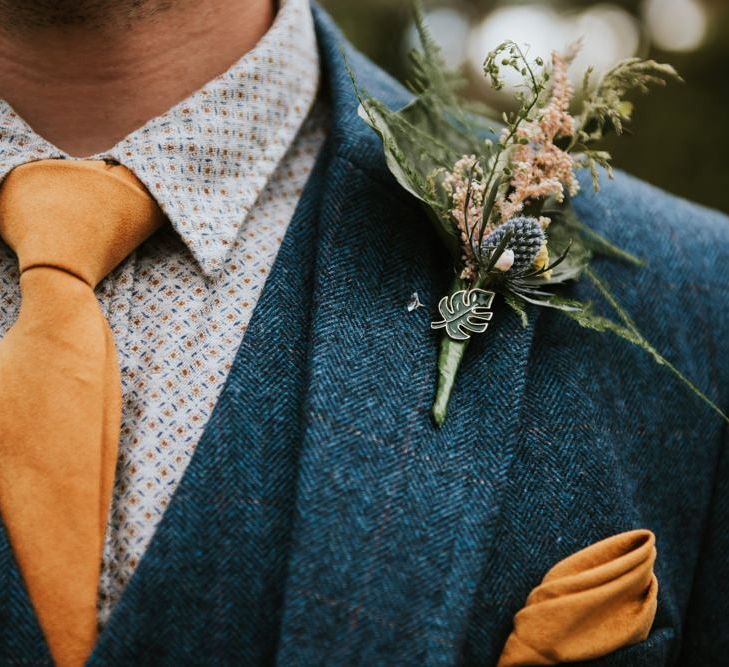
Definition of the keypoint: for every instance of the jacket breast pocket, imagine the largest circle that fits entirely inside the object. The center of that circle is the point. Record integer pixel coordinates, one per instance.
(655, 651)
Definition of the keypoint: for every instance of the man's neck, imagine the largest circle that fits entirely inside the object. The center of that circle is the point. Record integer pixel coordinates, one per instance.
(84, 88)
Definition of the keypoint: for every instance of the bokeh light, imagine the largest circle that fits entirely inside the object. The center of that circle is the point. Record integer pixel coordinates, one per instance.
(449, 27)
(537, 28)
(675, 25)
(607, 34)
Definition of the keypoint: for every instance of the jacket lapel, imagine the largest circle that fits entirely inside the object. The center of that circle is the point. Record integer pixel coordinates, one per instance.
(210, 582)
(591, 458)
(394, 519)
(20, 634)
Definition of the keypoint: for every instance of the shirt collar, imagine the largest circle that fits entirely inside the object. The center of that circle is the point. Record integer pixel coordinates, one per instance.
(208, 159)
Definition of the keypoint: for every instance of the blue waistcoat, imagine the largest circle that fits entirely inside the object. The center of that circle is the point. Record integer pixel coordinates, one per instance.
(324, 520)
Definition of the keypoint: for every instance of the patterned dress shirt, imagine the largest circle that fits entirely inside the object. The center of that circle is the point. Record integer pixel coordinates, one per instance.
(227, 166)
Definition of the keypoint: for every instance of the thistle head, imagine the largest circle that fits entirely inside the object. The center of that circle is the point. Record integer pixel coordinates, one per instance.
(526, 242)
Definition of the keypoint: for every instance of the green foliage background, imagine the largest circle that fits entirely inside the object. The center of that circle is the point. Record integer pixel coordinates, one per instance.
(680, 135)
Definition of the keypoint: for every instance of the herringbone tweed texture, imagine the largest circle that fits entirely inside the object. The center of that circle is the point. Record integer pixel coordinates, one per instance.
(324, 521)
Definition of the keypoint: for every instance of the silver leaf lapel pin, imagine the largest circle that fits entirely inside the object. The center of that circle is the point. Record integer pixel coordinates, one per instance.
(465, 312)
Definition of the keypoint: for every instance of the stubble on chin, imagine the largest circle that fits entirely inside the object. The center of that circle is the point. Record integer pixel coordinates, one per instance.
(40, 14)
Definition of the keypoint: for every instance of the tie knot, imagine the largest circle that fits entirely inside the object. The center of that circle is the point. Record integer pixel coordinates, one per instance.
(81, 216)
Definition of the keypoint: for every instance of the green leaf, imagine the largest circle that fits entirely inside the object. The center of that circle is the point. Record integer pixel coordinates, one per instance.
(605, 109)
(402, 167)
(629, 332)
(548, 300)
(423, 140)
(517, 305)
(566, 218)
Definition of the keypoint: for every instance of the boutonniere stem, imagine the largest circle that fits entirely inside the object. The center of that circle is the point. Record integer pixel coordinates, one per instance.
(450, 356)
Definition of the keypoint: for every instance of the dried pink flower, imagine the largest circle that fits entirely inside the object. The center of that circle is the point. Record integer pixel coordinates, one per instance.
(465, 185)
(540, 168)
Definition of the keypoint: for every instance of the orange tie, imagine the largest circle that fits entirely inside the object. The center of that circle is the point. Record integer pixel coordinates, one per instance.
(70, 223)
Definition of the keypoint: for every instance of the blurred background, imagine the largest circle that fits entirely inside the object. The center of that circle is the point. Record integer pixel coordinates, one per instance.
(679, 138)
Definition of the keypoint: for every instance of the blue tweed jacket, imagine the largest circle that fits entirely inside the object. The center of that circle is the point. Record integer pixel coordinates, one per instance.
(323, 519)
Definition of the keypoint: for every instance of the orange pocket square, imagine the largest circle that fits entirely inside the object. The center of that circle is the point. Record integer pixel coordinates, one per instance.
(589, 604)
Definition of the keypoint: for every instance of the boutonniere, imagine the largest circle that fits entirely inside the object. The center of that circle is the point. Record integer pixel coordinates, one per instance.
(500, 199)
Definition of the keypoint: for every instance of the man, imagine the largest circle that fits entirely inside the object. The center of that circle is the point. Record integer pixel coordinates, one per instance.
(280, 493)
